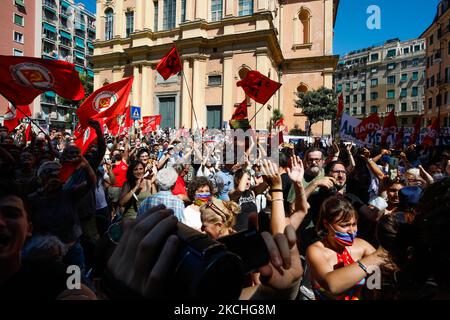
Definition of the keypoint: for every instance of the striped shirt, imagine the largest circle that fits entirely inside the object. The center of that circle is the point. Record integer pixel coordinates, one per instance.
(166, 198)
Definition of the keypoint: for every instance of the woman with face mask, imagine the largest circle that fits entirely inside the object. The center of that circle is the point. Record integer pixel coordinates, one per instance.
(339, 263)
(199, 192)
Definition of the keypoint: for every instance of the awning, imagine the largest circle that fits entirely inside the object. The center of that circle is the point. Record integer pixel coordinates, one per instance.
(79, 55)
(80, 26)
(50, 9)
(79, 42)
(65, 4)
(90, 73)
(50, 94)
(65, 35)
(79, 69)
(90, 45)
(49, 27)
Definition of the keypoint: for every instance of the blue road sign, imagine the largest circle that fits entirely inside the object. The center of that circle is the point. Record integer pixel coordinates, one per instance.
(135, 113)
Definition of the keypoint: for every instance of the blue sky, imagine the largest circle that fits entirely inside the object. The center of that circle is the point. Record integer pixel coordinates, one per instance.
(404, 19)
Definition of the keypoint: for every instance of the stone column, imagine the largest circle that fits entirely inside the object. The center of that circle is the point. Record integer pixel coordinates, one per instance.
(160, 14)
(229, 8)
(118, 19)
(147, 90)
(228, 84)
(190, 10)
(201, 7)
(262, 5)
(186, 108)
(198, 91)
(149, 11)
(139, 14)
(178, 13)
(116, 76)
(99, 22)
(136, 86)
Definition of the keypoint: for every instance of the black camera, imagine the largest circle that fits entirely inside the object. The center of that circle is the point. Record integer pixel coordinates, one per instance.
(210, 269)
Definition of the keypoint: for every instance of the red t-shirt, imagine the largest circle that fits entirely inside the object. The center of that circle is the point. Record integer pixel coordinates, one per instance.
(180, 187)
(120, 171)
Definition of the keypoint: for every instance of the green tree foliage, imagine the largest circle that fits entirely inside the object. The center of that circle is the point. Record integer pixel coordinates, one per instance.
(276, 115)
(318, 105)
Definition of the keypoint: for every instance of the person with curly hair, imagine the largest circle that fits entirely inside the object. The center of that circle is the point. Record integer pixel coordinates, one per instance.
(219, 217)
(199, 193)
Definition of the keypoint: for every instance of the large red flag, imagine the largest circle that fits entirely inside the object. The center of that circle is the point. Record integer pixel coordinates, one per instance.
(399, 138)
(367, 125)
(149, 123)
(340, 107)
(106, 102)
(432, 133)
(239, 119)
(24, 78)
(87, 137)
(170, 64)
(258, 87)
(415, 134)
(12, 116)
(389, 127)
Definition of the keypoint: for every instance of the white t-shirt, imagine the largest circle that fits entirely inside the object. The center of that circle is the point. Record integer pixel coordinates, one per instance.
(100, 199)
(192, 218)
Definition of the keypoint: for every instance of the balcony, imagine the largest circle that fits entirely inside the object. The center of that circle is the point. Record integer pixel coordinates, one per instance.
(48, 38)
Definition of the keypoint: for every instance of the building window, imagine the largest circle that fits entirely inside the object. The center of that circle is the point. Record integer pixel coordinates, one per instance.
(405, 50)
(414, 91)
(109, 24)
(129, 23)
(355, 98)
(390, 94)
(373, 95)
(18, 19)
(374, 57)
(355, 73)
(432, 81)
(403, 92)
(403, 107)
(354, 110)
(417, 47)
(214, 80)
(431, 39)
(415, 75)
(245, 7)
(404, 64)
(415, 62)
(339, 88)
(438, 100)
(17, 52)
(305, 19)
(374, 82)
(18, 37)
(355, 85)
(391, 79)
(19, 3)
(391, 53)
(430, 103)
(214, 117)
(347, 110)
(363, 97)
(390, 107)
(373, 109)
(347, 87)
(216, 10)
(183, 10)
(347, 99)
(363, 110)
(363, 84)
(155, 16)
(414, 106)
(404, 77)
(391, 66)
(404, 121)
(374, 70)
(448, 50)
(169, 14)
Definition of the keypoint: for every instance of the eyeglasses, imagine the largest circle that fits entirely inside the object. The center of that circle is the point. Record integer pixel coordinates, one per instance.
(338, 171)
(314, 160)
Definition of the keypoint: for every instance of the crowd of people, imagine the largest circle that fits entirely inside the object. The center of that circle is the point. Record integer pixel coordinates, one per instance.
(338, 221)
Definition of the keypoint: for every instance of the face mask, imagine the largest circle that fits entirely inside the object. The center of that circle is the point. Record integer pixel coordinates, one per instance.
(344, 238)
(202, 198)
(438, 176)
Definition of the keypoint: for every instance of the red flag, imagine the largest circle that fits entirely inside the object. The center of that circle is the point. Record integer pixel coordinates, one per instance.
(67, 169)
(279, 123)
(106, 102)
(258, 87)
(24, 78)
(87, 137)
(28, 133)
(12, 116)
(149, 123)
(367, 125)
(170, 64)
(340, 107)
(399, 138)
(415, 134)
(239, 119)
(432, 133)
(389, 127)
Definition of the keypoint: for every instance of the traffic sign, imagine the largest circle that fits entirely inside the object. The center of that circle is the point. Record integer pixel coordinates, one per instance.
(135, 113)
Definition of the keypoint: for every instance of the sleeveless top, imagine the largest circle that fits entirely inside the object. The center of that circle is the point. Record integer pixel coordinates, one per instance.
(130, 211)
(354, 293)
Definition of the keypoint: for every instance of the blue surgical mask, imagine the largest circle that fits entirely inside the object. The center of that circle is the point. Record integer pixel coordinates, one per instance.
(344, 238)
(438, 176)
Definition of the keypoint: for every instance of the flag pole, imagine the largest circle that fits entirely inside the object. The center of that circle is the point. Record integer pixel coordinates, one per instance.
(256, 113)
(31, 120)
(190, 97)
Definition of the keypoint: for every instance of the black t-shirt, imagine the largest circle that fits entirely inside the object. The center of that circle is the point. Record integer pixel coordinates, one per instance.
(286, 183)
(43, 280)
(248, 205)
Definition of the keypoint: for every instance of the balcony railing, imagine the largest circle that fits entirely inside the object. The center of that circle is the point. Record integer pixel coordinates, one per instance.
(49, 4)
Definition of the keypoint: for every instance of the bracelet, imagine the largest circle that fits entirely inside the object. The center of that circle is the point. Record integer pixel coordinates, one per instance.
(275, 190)
(363, 267)
(277, 200)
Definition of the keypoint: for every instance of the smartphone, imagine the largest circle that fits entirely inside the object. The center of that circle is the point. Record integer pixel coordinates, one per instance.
(249, 245)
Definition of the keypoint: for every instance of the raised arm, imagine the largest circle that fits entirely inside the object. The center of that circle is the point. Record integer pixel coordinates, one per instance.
(301, 206)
